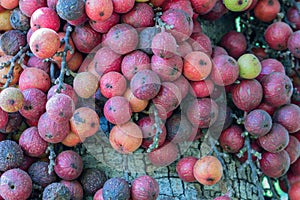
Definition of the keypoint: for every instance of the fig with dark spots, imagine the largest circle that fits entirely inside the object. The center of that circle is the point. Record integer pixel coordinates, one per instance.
(31, 142)
(11, 155)
(144, 188)
(277, 89)
(277, 35)
(11, 99)
(68, 165)
(67, 91)
(15, 184)
(75, 189)
(112, 84)
(51, 131)
(289, 117)
(274, 165)
(28, 7)
(201, 42)
(56, 191)
(145, 84)
(231, 139)
(104, 26)
(258, 122)
(19, 20)
(10, 41)
(70, 9)
(276, 140)
(145, 39)
(92, 180)
(85, 122)
(39, 175)
(164, 45)
(116, 188)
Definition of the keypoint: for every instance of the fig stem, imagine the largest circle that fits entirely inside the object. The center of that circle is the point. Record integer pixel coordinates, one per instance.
(64, 68)
(157, 126)
(125, 166)
(18, 58)
(51, 157)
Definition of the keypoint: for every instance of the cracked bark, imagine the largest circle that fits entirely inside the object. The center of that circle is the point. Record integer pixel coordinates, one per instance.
(101, 155)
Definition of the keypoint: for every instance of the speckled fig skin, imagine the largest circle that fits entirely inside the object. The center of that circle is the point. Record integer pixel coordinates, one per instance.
(231, 139)
(201, 42)
(3, 118)
(144, 188)
(85, 122)
(293, 148)
(179, 129)
(145, 39)
(203, 112)
(11, 99)
(217, 50)
(14, 121)
(225, 70)
(68, 91)
(181, 21)
(164, 45)
(184, 48)
(289, 117)
(116, 188)
(52, 132)
(184, 168)
(183, 84)
(164, 155)
(106, 60)
(146, 124)
(145, 84)
(202, 88)
(11, 155)
(133, 63)
(45, 18)
(268, 66)
(39, 175)
(34, 78)
(274, 165)
(123, 6)
(75, 189)
(122, 38)
(276, 140)
(258, 122)
(277, 88)
(185, 6)
(167, 69)
(235, 43)
(98, 9)
(90, 36)
(277, 35)
(126, 138)
(104, 26)
(58, 59)
(11, 41)
(34, 103)
(28, 7)
(80, 21)
(31, 142)
(38, 63)
(68, 165)
(112, 84)
(70, 9)
(293, 44)
(141, 15)
(15, 184)
(60, 108)
(247, 95)
(203, 6)
(168, 98)
(117, 110)
(92, 180)
(83, 88)
(56, 191)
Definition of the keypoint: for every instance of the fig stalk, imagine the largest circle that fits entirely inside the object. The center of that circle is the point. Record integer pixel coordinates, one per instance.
(52, 156)
(158, 130)
(11, 63)
(64, 68)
